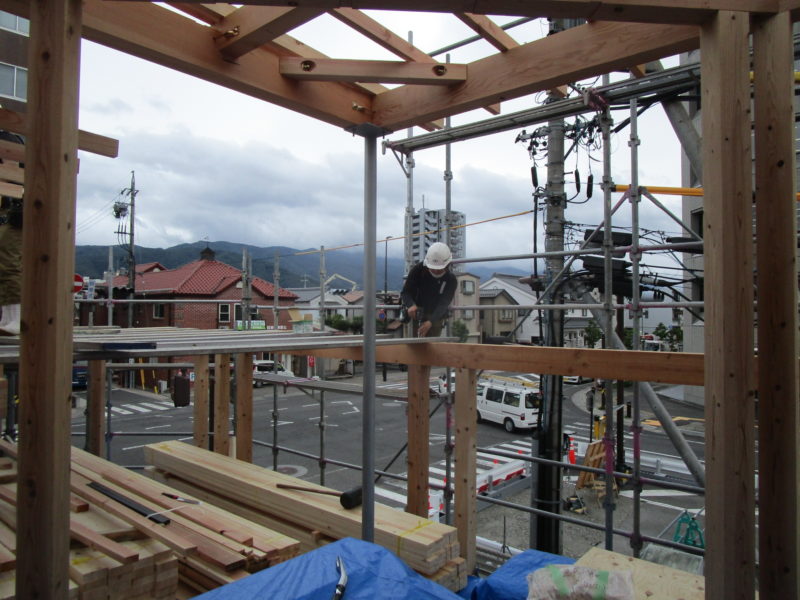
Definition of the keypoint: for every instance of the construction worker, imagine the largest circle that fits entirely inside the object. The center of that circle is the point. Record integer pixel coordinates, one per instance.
(10, 257)
(428, 291)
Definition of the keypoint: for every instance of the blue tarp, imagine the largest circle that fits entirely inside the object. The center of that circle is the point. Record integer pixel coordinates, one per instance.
(509, 582)
(372, 571)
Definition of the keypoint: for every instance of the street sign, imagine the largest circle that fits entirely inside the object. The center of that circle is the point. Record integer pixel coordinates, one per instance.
(77, 285)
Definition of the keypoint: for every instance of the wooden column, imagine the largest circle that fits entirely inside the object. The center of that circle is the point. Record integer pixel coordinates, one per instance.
(222, 403)
(95, 408)
(201, 391)
(729, 373)
(466, 463)
(776, 244)
(244, 406)
(3, 394)
(418, 434)
(48, 251)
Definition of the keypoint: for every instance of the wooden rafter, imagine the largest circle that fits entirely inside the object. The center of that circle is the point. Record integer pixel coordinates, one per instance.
(249, 27)
(161, 36)
(376, 71)
(643, 11)
(568, 56)
(488, 30)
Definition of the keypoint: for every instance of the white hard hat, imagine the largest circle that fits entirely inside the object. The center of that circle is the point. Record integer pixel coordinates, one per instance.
(438, 256)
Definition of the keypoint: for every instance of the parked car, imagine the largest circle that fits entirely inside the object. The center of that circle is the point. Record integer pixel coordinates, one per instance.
(514, 406)
(268, 366)
(575, 379)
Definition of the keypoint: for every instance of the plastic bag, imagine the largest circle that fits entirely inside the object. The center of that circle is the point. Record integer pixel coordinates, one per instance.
(573, 582)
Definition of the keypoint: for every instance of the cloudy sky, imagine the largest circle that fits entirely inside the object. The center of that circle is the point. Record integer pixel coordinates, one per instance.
(212, 164)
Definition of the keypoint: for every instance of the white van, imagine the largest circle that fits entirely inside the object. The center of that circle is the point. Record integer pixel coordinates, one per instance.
(268, 366)
(512, 405)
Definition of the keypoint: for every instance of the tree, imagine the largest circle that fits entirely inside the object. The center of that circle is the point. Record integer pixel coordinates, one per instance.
(673, 336)
(592, 334)
(460, 330)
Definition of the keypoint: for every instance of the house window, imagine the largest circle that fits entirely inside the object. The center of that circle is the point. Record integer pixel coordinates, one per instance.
(224, 313)
(506, 315)
(697, 222)
(13, 82)
(159, 311)
(467, 287)
(468, 314)
(14, 23)
(584, 312)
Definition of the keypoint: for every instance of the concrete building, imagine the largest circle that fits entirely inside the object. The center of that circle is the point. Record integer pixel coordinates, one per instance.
(13, 61)
(429, 226)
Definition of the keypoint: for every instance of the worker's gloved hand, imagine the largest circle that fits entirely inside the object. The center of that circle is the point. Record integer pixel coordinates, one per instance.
(424, 328)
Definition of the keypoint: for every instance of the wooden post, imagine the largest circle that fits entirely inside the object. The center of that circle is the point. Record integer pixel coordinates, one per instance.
(201, 391)
(729, 365)
(244, 406)
(776, 243)
(418, 434)
(95, 408)
(466, 464)
(222, 403)
(48, 259)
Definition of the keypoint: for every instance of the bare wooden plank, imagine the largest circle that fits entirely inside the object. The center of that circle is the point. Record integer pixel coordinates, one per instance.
(252, 26)
(729, 375)
(48, 258)
(466, 512)
(201, 396)
(418, 455)
(222, 402)
(244, 406)
(661, 367)
(372, 71)
(11, 189)
(776, 246)
(95, 408)
(92, 539)
(12, 172)
(90, 142)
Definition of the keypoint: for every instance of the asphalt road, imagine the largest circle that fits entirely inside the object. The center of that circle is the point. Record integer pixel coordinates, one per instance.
(140, 418)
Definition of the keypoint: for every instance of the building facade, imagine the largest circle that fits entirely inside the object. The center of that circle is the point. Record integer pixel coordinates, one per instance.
(429, 226)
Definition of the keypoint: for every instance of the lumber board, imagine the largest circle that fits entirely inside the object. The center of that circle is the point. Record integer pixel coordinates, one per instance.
(651, 581)
(422, 543)
(259, 544)
(308, 539)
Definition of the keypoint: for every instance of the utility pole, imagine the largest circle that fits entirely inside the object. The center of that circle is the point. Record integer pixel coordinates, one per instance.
(247, 267)
(120, 210)
(546, 534)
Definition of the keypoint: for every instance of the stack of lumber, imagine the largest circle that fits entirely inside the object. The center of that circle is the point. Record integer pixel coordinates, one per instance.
(134, 538)
(251, 491)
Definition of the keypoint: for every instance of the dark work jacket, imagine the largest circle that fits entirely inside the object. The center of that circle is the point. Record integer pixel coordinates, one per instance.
(432, 295)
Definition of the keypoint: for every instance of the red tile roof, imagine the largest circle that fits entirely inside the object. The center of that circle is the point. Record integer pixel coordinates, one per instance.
(198, 278)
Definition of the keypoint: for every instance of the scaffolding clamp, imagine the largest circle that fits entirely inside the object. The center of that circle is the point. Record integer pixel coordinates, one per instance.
(594, 100)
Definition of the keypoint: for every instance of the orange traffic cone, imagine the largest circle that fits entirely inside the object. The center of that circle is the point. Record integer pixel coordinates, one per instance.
(572, 454)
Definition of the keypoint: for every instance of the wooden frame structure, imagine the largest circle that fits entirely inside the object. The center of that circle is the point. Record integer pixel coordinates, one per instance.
(242, 49)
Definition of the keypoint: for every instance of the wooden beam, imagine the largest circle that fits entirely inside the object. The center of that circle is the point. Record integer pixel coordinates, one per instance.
(488, 30)
(466, 417)
(90, 142)
(628, 365)
(729, 374)
(639, 11)
(387, 39)
(161, 36)
(96, 409)
(252, 26)
(48, 259)
(201, 395)
(418, 455)
(244, 406)
(776, 246)
(11, 189)
(570, 55)
(372, 71)
(222, 401)
(10, 171)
